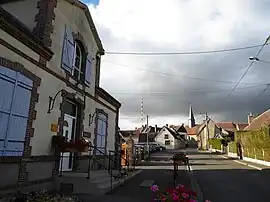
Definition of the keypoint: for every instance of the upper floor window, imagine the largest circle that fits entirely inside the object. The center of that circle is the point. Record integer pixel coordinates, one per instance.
(75, 60)
(166, 136)
(78, 62)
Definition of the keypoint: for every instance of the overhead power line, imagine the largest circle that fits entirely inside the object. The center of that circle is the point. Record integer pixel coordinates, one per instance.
(178, 75)
(183, 53)
(248, 68)
(177, 94)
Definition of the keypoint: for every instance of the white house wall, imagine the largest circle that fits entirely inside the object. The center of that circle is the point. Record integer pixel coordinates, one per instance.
(160, 139)
(75, 19)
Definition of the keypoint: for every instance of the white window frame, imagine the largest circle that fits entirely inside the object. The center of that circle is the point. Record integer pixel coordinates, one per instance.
(81, 73)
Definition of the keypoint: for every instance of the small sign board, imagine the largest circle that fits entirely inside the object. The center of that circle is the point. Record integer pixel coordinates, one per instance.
(86, 134)
(54, 128)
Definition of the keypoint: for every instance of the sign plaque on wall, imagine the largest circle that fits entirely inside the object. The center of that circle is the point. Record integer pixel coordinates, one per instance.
(86, 134)
(54, 128)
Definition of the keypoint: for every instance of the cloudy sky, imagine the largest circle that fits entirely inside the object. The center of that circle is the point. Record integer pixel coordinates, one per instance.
(168, 83)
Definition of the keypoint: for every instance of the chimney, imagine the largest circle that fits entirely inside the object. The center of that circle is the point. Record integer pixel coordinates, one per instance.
(250, 118)
(167, 125)
(155, 128)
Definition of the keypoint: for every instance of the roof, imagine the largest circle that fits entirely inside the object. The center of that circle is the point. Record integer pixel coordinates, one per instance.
(108, 97)
(88, 16)
(259, 121)
(241, 126)
(229, 126)
(174, 133)
(192, 131)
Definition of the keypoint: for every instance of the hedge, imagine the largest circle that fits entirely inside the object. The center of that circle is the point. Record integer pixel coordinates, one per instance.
(255, 144)
(216, 143)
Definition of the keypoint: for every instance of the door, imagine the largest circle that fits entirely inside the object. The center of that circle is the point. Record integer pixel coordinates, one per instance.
(68, 132)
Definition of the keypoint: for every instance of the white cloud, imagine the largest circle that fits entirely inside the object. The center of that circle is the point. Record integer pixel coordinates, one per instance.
(173, 25)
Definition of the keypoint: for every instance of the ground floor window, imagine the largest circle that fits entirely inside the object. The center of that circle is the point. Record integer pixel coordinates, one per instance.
(167, 142)
(15, 96)
(101, 134)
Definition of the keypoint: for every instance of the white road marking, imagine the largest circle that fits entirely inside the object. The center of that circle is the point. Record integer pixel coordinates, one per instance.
(245, 164)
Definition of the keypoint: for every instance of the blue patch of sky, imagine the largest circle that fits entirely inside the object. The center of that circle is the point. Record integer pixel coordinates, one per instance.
(94, 2)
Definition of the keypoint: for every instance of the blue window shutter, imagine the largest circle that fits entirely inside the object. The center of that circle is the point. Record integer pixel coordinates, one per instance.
(88, 70)
(14, 109)
(68, 51)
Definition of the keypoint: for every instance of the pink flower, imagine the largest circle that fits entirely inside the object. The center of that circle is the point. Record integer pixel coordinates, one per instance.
(175, 197)
(185, 195)
(154, 188)
(192, 200)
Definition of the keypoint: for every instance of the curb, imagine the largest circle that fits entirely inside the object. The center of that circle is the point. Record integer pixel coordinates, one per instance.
(243, 163)
(123, 181)
(194, 184)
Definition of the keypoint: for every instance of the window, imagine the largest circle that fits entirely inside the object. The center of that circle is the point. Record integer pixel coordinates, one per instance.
(14, 109)
(166, 136)
(167, 142)
(75, 61)
(78, 62)
(102, 124)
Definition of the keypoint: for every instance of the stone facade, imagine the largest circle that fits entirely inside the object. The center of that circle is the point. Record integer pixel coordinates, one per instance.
(33, 46)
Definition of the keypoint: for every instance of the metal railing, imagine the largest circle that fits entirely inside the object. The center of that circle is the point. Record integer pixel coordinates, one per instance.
(112, 160)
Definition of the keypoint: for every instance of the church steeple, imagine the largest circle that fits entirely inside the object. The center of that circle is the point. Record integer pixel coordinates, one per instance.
(191, 119)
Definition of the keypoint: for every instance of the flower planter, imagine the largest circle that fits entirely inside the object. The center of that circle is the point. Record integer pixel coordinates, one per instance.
(61, 143)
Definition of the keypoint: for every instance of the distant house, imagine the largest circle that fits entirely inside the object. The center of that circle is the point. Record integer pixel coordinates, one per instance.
(152, 132)
(134, 134)
(257, 122)
(210, 129)
(170, 138)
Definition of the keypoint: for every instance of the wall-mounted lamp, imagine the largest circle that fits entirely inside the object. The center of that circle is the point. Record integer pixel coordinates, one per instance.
(91, 117)
(52, 99)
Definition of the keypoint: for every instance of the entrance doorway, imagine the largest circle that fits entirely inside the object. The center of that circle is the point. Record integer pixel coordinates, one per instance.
(69, 131)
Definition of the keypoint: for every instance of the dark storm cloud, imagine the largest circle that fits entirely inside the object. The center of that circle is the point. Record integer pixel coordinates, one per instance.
(166, 95)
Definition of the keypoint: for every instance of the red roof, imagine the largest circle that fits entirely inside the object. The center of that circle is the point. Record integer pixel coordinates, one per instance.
(229, 126)
(259, 121)
(193, 130)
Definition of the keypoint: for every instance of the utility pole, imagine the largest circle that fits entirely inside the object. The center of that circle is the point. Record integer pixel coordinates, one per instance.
(147, 134)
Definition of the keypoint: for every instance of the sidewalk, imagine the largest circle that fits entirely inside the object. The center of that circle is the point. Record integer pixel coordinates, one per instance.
(247, 163)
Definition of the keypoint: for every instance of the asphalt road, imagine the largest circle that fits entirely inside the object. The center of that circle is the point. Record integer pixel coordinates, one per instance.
(158, 170)
(224, 180)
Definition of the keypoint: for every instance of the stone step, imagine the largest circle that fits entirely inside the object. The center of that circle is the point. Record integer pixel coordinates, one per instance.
(99, 182)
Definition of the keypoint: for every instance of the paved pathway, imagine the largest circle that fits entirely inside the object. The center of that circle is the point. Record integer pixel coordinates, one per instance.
(224, 180)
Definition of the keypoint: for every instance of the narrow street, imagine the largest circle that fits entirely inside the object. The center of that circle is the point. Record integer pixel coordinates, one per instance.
(225, 180)
(158, 170)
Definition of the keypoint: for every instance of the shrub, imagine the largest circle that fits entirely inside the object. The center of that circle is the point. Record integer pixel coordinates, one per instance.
(216, 143)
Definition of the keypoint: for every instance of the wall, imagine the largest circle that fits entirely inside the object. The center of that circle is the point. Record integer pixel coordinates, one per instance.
(160, 139)
(17, 9)
(75, 18)
(25, 171)
(14, 171)
(111, 123)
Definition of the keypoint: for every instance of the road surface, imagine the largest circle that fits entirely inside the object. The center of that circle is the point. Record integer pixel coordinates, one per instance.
(159, 170)
(226, 180)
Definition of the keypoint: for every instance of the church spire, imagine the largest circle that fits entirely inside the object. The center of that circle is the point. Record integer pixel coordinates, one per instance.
(191, 119)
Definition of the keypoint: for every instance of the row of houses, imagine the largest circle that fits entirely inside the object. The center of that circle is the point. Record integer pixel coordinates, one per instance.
(195, 135)
(211, 129)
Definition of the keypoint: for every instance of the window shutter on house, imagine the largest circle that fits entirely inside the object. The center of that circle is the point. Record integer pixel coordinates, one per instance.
(14, 109)
(88, 70)
(68, 50)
